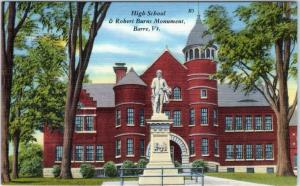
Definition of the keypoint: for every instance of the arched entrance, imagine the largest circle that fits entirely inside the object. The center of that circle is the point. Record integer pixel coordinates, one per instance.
(185, 153)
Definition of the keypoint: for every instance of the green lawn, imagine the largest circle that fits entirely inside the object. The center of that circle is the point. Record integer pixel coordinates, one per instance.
(270, 179)
(55, 181)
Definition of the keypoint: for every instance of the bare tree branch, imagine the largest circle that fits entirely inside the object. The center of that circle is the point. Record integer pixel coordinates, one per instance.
(22, 20)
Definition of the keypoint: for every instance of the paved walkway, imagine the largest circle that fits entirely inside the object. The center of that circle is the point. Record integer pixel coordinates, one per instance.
(208, 181)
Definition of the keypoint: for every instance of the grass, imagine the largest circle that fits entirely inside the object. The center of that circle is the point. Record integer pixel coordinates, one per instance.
(269, 179)
(56, 181)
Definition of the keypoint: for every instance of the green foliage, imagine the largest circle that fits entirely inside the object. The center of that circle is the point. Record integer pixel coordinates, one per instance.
(110, 169)
(31, 160)
(10, 159)
(56, 170)
(127, 164)
(142, 163)
(87, 170)
(199, 163)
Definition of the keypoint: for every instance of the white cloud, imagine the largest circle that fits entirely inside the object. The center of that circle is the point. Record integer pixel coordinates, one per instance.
(114, 49)
(179, 29)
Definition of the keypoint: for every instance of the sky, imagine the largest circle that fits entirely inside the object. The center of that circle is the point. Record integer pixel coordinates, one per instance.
(139, 49)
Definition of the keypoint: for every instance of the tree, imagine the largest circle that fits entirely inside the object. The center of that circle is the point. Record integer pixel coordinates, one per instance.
(38, 92)
(246, 59)
(11, 23)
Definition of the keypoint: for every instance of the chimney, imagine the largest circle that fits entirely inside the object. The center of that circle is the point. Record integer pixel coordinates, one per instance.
(120, 70)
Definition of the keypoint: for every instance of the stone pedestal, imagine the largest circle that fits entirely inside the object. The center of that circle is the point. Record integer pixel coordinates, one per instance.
(160, 154)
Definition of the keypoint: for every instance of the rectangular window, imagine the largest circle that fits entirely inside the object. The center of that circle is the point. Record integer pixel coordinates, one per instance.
(168, 113)
(118, 148)
(228, 123)
(269, 151)
(215, 117)
(249, 152)
(192, 147)
(141, 117)
(258, 152)
(192, 116)
(118, 118)
(78, 153)
(79, 123)
(248, 123)
(258, 123)
(204, 146)
(239, 151)
(238, 123)
(216, 147)
(130, 146)
(89, 153)
(268, 122)
(142, 147)
(99, 153)
(204, 116)
(177, 118)
(58, 153)
(89, 123)
(203, 93)
(130, 116)
(229, 152)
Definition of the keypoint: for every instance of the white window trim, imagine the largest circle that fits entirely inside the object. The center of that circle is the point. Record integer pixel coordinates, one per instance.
(86, 131)
(203, 97)
(130, 125)
(118, 156)
(216, 155)
(205, 155)
(130, 155)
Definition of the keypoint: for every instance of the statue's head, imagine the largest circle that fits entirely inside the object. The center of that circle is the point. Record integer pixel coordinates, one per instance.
(159, 73)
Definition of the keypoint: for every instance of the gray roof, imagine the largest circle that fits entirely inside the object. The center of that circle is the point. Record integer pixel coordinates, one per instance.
(196, 36)
(230, 98)
(131, 78)
(103, 94)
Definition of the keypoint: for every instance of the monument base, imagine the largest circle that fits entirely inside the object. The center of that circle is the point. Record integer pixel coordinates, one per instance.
(160, 156)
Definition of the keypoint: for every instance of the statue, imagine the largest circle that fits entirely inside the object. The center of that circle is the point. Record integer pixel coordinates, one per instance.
(160, 92)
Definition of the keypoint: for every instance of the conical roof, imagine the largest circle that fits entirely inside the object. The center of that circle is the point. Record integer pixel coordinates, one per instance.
(197, 35)
(131, 78)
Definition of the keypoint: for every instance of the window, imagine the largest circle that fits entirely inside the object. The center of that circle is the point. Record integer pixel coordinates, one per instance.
(268, 122)
(186, 56)
(248, 123)
(203, 93)
(239, 151)
(80, 105)
(216, 147)
(202, 53)
(191, 54)
(228, 123)
(118, 148)
(141, 117)
(249, 153)
(204, 116)
(58, 153)
(99, 153)
(78, 153)
(213, 53)
(258, 123)
(89, 153)
(258, 152)
(177, 118)
(118, 118)
(192, 147)
(130, 146)
(207, 53)
(89, 123)
(204, 146)
(215, 117)
(177, 93)
(79, 123)
(196, 53)
(142, 147)
(192, 116)
(238, 123)
(168, 113)
(229, 151)
(130, 116)
(269, 151)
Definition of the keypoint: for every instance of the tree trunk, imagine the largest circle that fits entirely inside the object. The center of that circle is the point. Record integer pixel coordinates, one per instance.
(16, 142)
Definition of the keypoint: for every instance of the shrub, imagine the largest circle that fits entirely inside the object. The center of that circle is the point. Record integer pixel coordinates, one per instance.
(56, 170)
(127, 164)
(30, 159)
(110, 169)
(177, 164)
(199, 163)
(142, 163)
(87, 170)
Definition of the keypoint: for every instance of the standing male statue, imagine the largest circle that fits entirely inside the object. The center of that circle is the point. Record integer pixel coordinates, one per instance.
(160, 92)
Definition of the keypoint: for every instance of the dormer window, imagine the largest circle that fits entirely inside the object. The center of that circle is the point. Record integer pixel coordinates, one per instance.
(203, 93)
(213, 53)
(191, 54)
(186, 56)
(207, 53)
(202, 54)
(176, 93)
(196, 53)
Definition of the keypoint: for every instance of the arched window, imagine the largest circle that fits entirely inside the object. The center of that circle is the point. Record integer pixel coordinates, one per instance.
(202, 53)
(176, 93)
(80, 105)
(186, 56)
(213, 53)
(196, 53)
(191, 54)
(208, 53)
